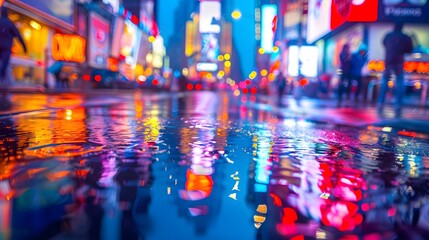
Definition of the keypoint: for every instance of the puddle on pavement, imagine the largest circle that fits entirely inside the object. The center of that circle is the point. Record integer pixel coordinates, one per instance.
(206, 167)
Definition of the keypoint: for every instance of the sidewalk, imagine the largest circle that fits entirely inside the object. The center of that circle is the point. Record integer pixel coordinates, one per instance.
(413, 118)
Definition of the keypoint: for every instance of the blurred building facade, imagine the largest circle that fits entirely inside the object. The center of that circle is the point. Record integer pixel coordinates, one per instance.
(99, 41)
(320, 29)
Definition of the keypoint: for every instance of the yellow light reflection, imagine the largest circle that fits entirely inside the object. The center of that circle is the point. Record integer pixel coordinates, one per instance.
(227, 64)
(227, 56)
(35, 25)
(220, 58)
(264, 72)
(261, 51)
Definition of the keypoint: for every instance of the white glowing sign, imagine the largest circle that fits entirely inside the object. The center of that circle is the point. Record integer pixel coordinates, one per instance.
(319, 19)
(308, 56)
(269, 12)
(209, 17)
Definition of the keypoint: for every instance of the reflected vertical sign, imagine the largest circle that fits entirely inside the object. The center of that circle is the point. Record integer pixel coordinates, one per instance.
(269, 12)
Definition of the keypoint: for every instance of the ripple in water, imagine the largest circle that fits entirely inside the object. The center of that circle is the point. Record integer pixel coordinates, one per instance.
(67, 149)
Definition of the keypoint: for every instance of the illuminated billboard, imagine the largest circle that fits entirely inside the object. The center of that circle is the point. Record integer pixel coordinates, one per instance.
(118, 29)
(319, 19)
(269, 15)
(404, 11)
(307, 56)
(209, 47)
(99, 29)
(130, 43)
(353, 11)
(209, 17)
(327, 15)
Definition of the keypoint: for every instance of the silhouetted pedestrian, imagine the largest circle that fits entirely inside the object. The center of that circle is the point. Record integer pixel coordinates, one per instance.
(7, 33)
(396, 45)
(346, 65)
(359, 59)
(56, 69)
(281, 87)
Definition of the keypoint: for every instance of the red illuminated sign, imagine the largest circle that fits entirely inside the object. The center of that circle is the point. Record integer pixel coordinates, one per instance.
(353, 11)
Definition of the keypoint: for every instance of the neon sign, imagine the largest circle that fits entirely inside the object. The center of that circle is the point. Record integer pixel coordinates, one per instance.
(67, 47)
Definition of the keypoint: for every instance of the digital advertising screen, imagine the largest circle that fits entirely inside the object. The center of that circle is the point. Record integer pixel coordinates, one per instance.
(130, 42)
(99, 39)
(303, 60)
(269, 14)
(353, 11)
(118, 29)
(319, 19)
(209, 47)
(209, 17)
(416, 11)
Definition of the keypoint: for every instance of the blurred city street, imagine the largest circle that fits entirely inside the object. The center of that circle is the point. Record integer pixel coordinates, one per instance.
(209, 165)
(214, 119)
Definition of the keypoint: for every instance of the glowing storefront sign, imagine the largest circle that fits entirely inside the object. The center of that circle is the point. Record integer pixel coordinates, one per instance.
(269, 14)
(68, 47)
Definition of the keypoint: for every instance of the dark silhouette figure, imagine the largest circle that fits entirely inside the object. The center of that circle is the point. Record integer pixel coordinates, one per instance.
(7, 34)
(56, 69)
(396, 45)
(281, 87)
(346, 65)
(359, 59)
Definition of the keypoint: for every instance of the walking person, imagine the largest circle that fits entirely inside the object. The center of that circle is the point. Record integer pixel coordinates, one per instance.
(346, 65)
(359, 59)
(281, 87)
(396, 45)
(7, 34)
(56, 69)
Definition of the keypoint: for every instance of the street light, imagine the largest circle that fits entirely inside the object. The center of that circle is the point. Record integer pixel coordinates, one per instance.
(236, 14)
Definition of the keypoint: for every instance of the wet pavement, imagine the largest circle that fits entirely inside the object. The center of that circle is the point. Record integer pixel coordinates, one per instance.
(210, 166)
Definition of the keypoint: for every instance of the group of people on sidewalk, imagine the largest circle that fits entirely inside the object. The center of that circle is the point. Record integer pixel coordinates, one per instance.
(396, 45)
